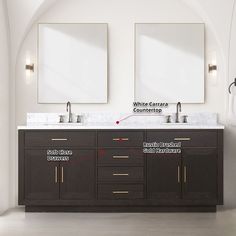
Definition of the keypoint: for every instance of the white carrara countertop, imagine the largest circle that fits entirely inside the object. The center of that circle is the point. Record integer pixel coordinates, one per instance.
(108, 121)
(118, 127)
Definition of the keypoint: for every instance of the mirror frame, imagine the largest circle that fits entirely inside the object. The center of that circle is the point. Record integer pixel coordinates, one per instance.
(107, 60)
(204, 57)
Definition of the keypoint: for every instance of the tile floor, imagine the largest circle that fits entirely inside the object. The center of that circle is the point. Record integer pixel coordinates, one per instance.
(16, 223)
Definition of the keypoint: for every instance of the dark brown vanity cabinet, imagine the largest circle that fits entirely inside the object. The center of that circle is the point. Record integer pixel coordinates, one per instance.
(78, 176)
(192, 177)
(44, 177)
(41, 177)
(164, 176)
(108, 170)
(200, 174)
(49, 180)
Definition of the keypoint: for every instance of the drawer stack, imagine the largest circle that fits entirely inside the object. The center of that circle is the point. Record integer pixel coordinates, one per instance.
(120, 165)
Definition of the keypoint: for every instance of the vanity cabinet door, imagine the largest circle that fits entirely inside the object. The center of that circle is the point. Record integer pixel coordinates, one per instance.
(164, 176)
(77, 176)
(41, 176)
(200, 174)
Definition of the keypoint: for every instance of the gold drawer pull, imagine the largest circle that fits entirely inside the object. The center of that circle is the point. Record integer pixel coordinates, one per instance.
(55, 171)
(120, 174)
(62, 174)
(120, 192)
(120, 157)
(59, 139)
(120, 139)
(125, 139)
(185, 174)
(178, 174)
(182, 139)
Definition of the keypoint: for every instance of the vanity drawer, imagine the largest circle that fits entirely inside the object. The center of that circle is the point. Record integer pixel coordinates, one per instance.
(120, 191)
(60, 139)
(120, 174)
(200, 138)
(120, 139)
(120, 157)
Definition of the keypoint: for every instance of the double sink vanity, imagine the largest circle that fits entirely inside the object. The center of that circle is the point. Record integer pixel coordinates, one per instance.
(105, 167)
(98, 162)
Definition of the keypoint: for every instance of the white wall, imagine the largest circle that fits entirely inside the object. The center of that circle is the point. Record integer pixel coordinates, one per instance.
(4, 106)
(230, 134)
(121, 16)
(21, 15)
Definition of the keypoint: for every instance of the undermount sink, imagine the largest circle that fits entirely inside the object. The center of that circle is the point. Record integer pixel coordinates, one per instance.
(176, 123)
(65, 124)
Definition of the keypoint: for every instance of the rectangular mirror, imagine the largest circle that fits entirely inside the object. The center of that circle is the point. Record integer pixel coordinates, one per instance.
(169, 62)
(72, 63)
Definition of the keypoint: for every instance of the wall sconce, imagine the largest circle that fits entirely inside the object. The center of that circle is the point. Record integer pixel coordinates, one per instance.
(212, 68)
(29, 67)
(212, 71)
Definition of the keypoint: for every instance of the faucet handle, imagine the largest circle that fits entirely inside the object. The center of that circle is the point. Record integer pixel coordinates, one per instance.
(79, 119)
(168, 119)
(185, 120)
(61, 118)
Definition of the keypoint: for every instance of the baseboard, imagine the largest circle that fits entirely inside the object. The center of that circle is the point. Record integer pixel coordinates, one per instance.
(120, 209)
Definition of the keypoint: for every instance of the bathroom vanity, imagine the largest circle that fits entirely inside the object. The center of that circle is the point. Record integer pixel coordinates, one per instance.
(105, 169)
(83, 166)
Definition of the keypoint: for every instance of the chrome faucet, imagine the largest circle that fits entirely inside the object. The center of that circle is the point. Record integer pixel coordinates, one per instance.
(178, 109)
(68, 109)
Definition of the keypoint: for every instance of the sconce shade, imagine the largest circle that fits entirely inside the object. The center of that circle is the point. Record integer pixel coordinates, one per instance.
(30, 67)
(212, 68)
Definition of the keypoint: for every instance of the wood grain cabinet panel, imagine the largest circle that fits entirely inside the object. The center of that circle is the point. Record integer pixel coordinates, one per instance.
(200, 174)
(164, 176)
(120, 191)
(41, 177)
(60, 139)
(120, 157)
(121, 174)
(78, 176)
(71, 180)
(120, 139)
(198, 138)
